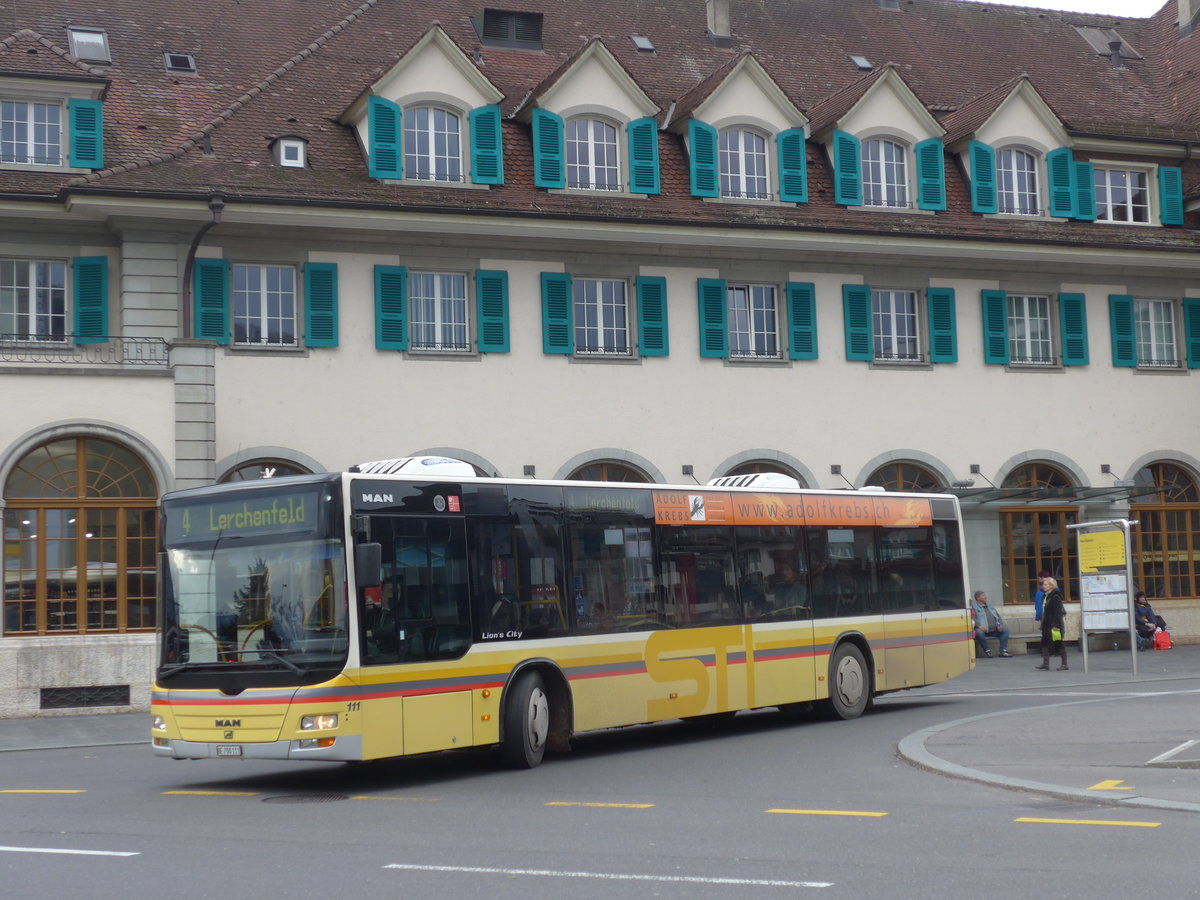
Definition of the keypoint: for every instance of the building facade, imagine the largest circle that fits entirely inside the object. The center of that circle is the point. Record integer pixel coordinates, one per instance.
(930, 245)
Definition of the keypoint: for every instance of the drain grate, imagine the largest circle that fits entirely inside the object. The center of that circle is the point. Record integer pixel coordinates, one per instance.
(306, 798)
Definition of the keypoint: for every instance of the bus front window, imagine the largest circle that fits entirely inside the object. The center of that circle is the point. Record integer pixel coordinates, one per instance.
(263, 606)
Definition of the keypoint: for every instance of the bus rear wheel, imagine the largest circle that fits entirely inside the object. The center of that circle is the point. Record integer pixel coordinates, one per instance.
(849, 683)
(526, 722)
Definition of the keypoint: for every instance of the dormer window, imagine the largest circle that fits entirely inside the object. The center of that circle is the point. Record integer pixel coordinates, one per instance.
(743, 165)
(432, 144)
(1017, 182)
(89, 44)
(592, 162)
(884, 173)
(1122, 194)
(32, 133)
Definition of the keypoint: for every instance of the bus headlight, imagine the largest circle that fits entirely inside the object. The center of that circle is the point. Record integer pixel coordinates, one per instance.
(159, 724)
(319, 723)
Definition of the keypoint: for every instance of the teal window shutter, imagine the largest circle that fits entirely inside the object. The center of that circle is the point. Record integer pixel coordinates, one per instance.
(90, 280)
(856, 315)
(385, 157)
(847, 175)
(702, 159)
(943, 329)
(1072, 317)
(549, 165)
(1085, 191)
(995, 327)
(391, 308)
(558, 333)
(653, 337)
(87, 133)
(931, 174)
(983, 178)
(802, 320)
(1191, 330)
(487, 146)
(712, 296)
(1124, 337)
(1060, 172)
(491, 310)
(321, 304)
(793, 166)
(210, 292)
(1170, 195)
(643, 156)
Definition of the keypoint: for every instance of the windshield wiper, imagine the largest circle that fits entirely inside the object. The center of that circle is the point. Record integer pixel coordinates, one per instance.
(272, 653)
(166, 672)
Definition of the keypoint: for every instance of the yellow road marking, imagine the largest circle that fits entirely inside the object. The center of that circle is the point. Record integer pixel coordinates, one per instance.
(1110, 786)
(602, 805)
(33, 791)
(212, 793)
(1091, 822)
(826, 813)
(397, 799)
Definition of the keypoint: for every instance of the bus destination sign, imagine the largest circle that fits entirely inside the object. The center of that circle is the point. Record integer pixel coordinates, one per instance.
(270, 514)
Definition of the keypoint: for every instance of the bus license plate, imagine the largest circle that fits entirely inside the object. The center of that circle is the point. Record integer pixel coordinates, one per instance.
(229, 749)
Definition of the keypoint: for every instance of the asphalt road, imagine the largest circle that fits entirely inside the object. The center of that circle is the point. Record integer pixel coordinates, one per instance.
(763, 807)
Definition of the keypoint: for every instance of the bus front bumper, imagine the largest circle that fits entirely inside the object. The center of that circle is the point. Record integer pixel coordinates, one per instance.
(348, 747)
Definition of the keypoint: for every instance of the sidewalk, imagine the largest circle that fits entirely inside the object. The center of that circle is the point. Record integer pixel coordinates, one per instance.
(1134, 743)
(57, 732)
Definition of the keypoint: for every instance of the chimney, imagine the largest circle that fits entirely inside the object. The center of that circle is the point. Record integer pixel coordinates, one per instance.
(1114, 54)
(718, 23)
(1187, 10)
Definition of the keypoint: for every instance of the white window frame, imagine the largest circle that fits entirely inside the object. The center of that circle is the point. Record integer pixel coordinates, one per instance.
(266, 305)
(438, 152)
(593, 160)
(439, 316)
(600, 316)
(891, 326)
(885, 173)
(45, 301)
(1112, 196)
(744, 164)
(55, 153)
(1030, 327)
(1156, 334)
(1018, 187)
(292, 153)
(752, 312)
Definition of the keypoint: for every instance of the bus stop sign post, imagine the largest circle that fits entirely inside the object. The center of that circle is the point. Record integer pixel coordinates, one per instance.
(1105, 581)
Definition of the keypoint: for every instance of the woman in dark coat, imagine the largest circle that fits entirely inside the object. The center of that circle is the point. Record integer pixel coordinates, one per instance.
(1053, 616)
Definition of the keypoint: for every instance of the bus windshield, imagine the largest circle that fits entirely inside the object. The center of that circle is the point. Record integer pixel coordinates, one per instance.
(253, 587)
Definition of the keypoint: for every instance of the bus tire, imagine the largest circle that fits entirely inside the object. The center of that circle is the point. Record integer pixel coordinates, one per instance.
(526, 722)
(849, 683)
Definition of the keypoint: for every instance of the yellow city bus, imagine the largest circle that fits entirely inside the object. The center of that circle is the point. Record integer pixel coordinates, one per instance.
(408, 606)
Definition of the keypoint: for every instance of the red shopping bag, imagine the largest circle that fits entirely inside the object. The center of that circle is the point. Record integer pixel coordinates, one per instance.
(1162, 640)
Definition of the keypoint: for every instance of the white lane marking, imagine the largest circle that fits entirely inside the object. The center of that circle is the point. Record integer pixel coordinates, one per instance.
(1164, 756)
(610, 876)
(69, 852)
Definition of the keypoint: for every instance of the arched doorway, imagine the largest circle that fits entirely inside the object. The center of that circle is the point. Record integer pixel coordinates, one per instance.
(1167, 556)
(262, 468)
(906, 476)
(608, 471)
(80, 536)
(757, 467)
(1035, 538)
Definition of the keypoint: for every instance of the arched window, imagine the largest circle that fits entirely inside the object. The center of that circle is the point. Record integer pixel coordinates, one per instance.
(80, 535)
(743, 160)
(884, 173)
(607, 471)
(757, 467)
(1036, 538)
(592, 162)
(432, 144)
(262, 468)
(1017, 182)
(905, 476)
(1167, 554)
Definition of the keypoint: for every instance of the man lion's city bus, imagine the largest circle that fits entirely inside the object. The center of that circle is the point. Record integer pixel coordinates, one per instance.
(408, 606)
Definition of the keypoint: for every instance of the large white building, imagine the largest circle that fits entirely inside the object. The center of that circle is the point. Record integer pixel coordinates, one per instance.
(929, 244)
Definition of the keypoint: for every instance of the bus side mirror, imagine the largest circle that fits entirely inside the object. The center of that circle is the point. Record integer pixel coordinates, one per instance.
(368, 565)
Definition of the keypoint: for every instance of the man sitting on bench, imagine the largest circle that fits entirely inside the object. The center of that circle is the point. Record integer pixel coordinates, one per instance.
(988, 621)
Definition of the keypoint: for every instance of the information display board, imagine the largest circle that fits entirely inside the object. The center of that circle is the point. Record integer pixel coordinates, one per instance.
(1103, 580)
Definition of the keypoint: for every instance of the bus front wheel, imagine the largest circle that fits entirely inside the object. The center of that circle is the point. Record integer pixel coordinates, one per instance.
(526, 722)
(849, 683)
